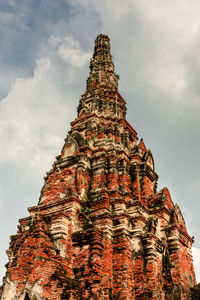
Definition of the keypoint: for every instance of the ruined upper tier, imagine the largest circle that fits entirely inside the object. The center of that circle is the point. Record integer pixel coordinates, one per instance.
(101, 65)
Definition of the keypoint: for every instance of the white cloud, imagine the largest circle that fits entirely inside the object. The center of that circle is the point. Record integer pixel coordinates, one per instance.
(35, 102)
(69, 50)
(10, 2)
(34, 119)
(117, 9)
(196, 259)
(156, 37)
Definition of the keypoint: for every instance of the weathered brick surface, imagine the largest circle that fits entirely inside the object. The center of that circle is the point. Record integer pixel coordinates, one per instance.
(101, 230)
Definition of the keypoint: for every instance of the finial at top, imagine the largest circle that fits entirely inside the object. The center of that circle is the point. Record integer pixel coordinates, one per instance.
(102, 44)
(102, 37)
(101, 65)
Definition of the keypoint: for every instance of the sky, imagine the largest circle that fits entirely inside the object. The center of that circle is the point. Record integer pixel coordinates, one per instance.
(45, 50)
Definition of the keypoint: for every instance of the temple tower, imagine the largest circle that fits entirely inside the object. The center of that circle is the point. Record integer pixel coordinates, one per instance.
(101, 230)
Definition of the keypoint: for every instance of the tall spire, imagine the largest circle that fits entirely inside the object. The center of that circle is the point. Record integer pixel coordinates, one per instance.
(101, 230)
(101, 65)
(101, 96)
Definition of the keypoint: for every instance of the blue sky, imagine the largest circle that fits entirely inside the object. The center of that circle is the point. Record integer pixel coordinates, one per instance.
(44, 62)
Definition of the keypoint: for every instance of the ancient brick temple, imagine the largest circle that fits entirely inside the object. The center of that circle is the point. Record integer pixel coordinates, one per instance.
(101, 230)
